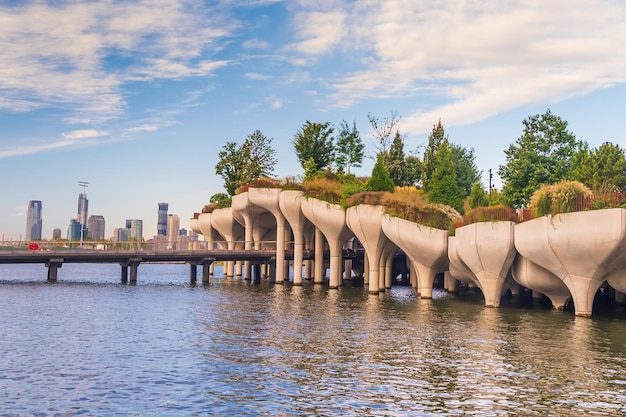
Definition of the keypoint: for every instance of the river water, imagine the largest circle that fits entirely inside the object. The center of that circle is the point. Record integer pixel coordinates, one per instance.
(88, 345)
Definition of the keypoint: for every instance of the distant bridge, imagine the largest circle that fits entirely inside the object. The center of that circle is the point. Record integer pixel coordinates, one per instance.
(130, 259)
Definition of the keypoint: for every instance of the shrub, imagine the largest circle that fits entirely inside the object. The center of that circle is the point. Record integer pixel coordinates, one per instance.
(323, 189)
(380, 180)
(558, 198)
(373, 198)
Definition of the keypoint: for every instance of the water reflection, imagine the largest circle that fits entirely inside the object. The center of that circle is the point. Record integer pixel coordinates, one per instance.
(237, 348)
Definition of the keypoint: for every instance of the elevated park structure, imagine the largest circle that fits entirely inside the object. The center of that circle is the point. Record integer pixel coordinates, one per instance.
(564, 257)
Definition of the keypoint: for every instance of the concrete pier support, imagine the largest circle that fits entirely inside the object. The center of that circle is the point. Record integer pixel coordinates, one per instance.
(290, 203)
(330, 219)
(540, 281)
(224, 221)
(53, 269)
(450, 284)
(268, 199)
(134, 265)
(488, 250)
(124, 273)
(193, 273)
(365, 222)
(426, 247)
(206, 271)
(583, 249)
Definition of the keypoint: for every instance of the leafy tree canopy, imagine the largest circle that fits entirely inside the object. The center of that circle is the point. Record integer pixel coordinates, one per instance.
(413, 170)
(542, 155)
(395, 162)
(314, 141)
(464, 163)
(239, 165)
(380, 180)
(477, 196)
(602, 169)
(349, 148)
(429, 164)
(443, 186)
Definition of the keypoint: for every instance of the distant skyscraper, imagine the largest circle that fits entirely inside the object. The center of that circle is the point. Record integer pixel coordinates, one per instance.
(136, 229)
(83, 210)
(162, 219)
(74, 230)
(95, 225)
(173, 227)
(34, 220)
(56, 233)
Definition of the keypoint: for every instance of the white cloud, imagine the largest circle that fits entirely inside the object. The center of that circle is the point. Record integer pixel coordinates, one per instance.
(81, 55)
(476, 58)
(276, 103)
(84, 134)
(257, 76)
(142, 128)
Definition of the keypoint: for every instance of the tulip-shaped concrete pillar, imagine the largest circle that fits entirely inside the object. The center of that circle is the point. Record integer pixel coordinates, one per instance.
(488, 250)
(531, 275)
(330, 219)
(211, 236)
(268, 199)
(224, 222)
(290, 202)
(583, 249)
(456, 266)
(365, 222)
(426, 247)
(250, 214)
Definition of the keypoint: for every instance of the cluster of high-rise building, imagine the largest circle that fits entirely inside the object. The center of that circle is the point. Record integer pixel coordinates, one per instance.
(83, 227)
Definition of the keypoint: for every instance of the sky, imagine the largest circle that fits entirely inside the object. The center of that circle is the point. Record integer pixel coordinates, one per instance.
(138, 97)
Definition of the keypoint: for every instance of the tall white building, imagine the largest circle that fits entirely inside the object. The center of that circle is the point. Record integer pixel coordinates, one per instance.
(33, 220)
(83, 211)
(173, 229)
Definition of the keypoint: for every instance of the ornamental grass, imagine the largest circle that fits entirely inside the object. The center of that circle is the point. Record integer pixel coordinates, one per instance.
(558, 198)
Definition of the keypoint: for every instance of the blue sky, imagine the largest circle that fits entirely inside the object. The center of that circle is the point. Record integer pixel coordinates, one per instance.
(138, 97)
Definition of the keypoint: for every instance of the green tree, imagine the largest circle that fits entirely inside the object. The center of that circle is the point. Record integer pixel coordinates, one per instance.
(443, 186)
(239, 165)
(413, 167)
(380, 180)
(314, 141)
(542, 155)
(349, 148)
(464, 163)
(429, 162)
(221, 199)
(477, 196)
(395, 162)
(603, 169)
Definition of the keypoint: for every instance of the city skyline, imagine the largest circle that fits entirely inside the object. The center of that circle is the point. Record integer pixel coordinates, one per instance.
(138, 100)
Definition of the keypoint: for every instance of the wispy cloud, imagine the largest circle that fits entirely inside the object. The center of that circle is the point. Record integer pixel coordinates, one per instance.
(475, 58)
(82, 54)
(84, 134)
(257, 76)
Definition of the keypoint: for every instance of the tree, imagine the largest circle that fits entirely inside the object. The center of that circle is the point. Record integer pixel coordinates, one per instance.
(464, 163)
(542, 155)
(395, 162)
(603, 169)
(477, 196)
(349, 148)
(239, 165)
(413, 167)
(380, 180)
(429, 164)
(443, 186)
(314, 141)
(383, 129)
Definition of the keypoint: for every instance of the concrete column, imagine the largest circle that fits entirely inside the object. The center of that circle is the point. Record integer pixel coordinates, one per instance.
(124, 274)
(366, 269)
(206, 271)
(134, 265)
(319, 257)
(620, 298)
(53, 267)
(449, 282)
(347, 269)
(193, 273)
